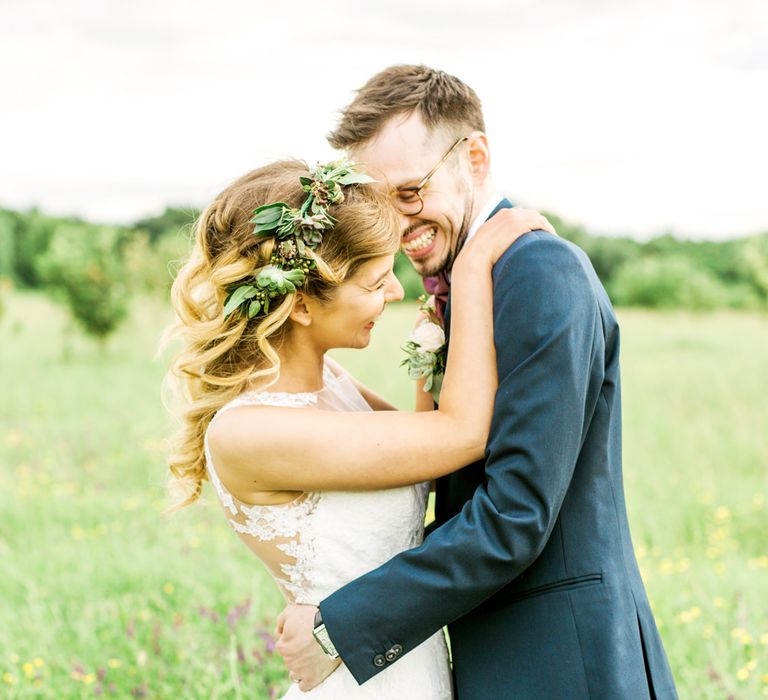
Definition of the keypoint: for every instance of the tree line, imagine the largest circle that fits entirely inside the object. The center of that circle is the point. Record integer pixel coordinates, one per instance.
(96, 269)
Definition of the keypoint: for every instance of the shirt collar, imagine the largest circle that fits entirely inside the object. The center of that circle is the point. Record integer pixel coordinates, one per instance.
(484, 213)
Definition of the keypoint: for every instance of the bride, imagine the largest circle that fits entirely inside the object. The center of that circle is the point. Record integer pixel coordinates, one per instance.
(320, 477)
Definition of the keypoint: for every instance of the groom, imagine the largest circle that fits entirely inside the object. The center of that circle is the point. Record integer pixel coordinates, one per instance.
(531, 565)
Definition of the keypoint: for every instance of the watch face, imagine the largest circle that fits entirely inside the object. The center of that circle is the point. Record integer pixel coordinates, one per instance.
(324, 640)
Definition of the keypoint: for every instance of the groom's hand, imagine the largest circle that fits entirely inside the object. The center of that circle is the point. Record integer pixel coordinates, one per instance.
(307, 663)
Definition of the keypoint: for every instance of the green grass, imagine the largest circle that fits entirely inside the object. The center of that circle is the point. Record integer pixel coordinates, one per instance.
(101, 595)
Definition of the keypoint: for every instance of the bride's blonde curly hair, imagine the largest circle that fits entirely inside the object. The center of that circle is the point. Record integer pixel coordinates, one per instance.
(221, 357)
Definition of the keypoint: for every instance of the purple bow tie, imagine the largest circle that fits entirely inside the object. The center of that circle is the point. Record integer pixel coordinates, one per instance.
(439, 286)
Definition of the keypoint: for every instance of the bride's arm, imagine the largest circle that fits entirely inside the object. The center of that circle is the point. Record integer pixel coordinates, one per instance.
(286, 449)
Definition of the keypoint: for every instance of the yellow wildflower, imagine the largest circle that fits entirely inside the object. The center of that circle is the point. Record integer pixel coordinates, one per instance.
(683, 565)
(114, 663)
(666, 566)
(9, 678)
(722, 514)
(169, 588)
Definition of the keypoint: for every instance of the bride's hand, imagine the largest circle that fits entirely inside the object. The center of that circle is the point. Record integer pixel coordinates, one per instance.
(501, 231)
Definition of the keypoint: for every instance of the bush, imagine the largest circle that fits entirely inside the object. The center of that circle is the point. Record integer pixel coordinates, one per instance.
(668, 282)
(151, 266)
(753, 266)
(32, 233)
(84, 269)
(409, 278)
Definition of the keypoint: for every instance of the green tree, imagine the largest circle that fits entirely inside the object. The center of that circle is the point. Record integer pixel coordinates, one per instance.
(151, 266)
(671, 281)
(31, 236)
(171, 221)
(84, 269)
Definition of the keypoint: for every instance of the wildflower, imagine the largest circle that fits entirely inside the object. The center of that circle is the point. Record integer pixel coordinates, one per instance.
(39, 663)
(28, 669)
(741, 635)
(689, 615)
(169, 588)
(114, 663)
(9, 678)
(742, 674)
(683, 565)
(722, 514)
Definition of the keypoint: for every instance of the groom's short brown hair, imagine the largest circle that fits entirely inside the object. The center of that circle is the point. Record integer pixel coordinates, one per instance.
(441, 100)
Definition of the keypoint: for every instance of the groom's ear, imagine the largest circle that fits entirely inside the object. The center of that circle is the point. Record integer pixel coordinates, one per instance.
(479, 156)
(301, 312)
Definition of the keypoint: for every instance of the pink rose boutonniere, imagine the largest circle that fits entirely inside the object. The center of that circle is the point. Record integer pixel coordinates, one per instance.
(426, 351)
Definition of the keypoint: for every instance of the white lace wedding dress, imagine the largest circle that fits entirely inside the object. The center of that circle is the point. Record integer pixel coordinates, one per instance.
(322, 540)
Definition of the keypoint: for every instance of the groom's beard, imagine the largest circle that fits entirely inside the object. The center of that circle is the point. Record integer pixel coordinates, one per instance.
(455, 245)
(460, 240)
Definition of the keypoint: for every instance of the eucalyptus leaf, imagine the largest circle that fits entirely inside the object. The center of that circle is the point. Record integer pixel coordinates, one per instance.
(237, 298)
(354, 178)
(269, 212)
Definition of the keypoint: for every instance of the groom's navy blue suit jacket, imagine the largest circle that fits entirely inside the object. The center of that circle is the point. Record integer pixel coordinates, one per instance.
(531, 565)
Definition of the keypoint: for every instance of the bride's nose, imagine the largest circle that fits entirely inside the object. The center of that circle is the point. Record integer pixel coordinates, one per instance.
(394, 290)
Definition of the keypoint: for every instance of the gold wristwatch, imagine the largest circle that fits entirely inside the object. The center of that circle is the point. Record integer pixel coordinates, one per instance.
(323, 638)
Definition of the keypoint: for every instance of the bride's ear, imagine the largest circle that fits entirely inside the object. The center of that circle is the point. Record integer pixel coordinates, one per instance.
(301, 312)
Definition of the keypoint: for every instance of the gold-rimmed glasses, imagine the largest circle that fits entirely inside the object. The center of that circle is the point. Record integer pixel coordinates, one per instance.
(408, 200)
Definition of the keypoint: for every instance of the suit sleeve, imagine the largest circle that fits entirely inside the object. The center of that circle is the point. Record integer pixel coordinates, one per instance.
(547, 326)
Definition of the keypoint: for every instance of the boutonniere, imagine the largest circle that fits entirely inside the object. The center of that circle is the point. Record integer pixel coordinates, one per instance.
(426, 351)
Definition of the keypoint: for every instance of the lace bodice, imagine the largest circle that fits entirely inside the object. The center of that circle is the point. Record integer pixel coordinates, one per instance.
(316, 543)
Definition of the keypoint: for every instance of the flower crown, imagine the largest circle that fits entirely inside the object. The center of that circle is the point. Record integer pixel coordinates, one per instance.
(296, 230)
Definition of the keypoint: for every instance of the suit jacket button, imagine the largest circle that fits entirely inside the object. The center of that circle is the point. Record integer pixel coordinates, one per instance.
(390, 655)
(397, 649)
(379, 660)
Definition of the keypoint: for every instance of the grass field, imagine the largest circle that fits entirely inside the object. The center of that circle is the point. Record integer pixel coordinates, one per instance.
(99, 595)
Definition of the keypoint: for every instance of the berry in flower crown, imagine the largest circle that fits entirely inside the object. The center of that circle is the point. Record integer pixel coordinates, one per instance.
(296, 230)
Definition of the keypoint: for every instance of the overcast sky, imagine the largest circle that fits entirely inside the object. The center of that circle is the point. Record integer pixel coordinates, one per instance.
(629, 117)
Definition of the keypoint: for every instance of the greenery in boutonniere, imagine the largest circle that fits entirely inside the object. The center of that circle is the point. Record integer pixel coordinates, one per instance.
(426, 350)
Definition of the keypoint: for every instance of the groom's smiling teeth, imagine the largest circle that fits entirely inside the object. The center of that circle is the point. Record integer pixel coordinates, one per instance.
(420, 242)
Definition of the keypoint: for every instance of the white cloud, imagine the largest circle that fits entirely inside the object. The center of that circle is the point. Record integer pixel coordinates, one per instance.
(625, 116)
